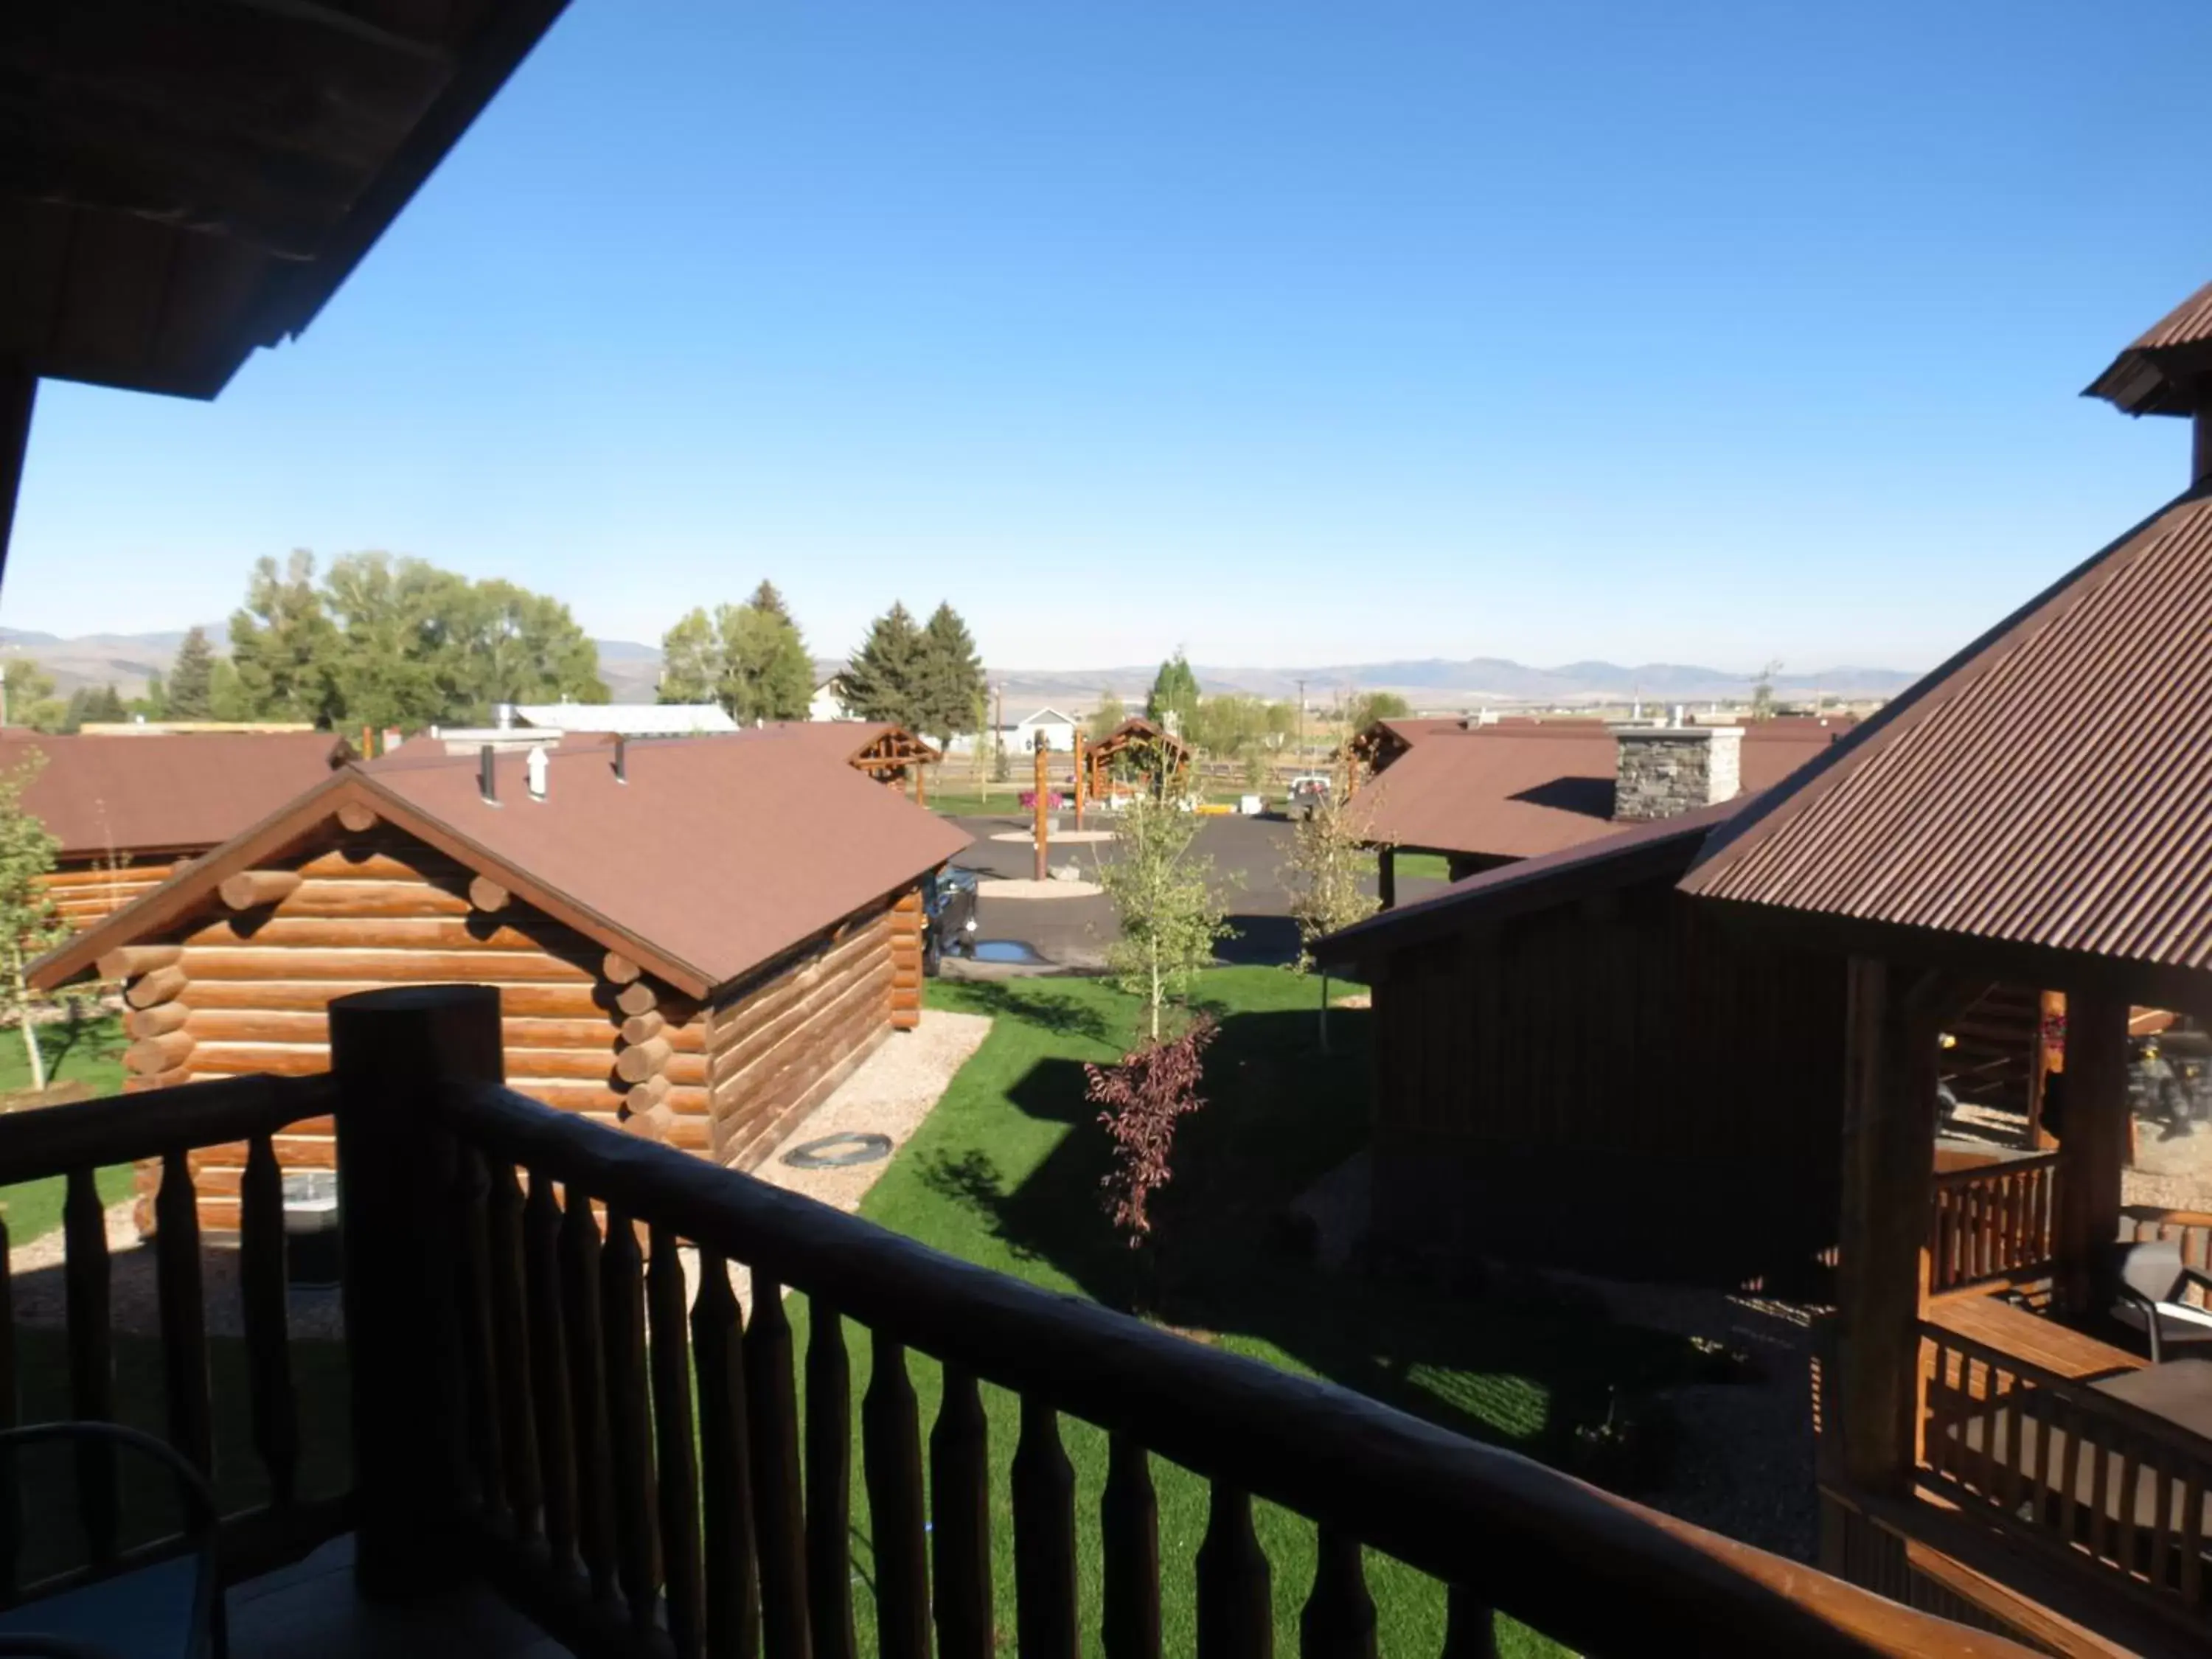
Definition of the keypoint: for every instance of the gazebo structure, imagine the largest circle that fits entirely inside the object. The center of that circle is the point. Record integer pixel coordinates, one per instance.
(882, 750)
(1137, 743)
(2035, 814)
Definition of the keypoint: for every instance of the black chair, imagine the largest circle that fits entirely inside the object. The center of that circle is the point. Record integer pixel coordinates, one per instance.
(2150, 1280)
(170, 1608)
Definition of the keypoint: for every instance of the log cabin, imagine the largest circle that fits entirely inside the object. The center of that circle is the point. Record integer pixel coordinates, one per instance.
(694, 938)
(127, 810)
(1573, 1067)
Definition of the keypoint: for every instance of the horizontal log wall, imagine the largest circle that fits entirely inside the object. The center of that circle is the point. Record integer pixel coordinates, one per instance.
(906, 925)
(777, 1052)
(248, 991)
(83, 893)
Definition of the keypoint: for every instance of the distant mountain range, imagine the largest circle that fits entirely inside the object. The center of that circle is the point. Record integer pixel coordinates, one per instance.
(631, 671)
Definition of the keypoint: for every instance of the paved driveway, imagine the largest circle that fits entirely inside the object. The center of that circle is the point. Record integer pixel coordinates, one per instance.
(1247, 854)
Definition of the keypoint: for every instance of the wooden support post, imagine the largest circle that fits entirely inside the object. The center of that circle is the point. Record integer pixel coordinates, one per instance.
(1888, 1185)
(1082, 757)
(2093, 1143)
(19, 391)
(1386, 877)
(2045, 1057)
(1041, 798)
(393, 1054)
(921, 783)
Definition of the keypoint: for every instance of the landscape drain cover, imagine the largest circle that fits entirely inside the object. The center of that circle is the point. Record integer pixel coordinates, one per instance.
(839, 1152)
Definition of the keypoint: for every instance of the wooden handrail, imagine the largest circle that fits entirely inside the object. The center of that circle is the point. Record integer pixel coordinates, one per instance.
(2081, 1396)
(1590, 1568)
(1980, 1172)
(126, 1128)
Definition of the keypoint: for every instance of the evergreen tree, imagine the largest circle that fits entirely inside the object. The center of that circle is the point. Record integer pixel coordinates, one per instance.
(1174, 699)
(154, 704)
(883, 680)
(952, 676)
(226, 692)
(191, 679)
(767, 674)
(103, 705)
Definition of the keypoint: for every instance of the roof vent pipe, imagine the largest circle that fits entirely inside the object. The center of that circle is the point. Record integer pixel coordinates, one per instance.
(533, 772)
(487, 783)
(622, 759)
(502, 716)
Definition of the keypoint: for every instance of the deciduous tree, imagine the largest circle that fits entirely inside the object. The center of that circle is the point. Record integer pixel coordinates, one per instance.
(1162, 891)
(28, 920)
(1141, 1100)
(1363, 708)
(1107, 713)
(284, 644)
(748, 658)
(1325, 876)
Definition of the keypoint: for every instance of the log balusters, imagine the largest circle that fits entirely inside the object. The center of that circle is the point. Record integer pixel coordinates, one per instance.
(828, 1485)
(733, 1579)
(890, 1431)
(673, 1446)
(1236, 1604)
(1338, 1620)
(587, 1391)
(267, 1321)
(549, 1373)
(960, 1515)
(779, 1503)
(91, 1360)
(1044, 1538)
(629, 1427)
(1129, 1544)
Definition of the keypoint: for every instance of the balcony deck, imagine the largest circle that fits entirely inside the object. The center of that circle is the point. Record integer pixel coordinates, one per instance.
(312, 1610)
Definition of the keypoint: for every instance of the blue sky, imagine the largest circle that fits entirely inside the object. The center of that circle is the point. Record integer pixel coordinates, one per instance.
(1293, 332)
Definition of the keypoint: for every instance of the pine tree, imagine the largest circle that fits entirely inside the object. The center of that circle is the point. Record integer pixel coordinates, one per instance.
(952, 676)
(191, 679)
(105, 706)
(883, 680)
(766, 670)
(1173, 703)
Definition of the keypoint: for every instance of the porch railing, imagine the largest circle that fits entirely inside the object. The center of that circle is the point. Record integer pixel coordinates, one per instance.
(1994, 1221)
(2067, 1471)
(272, 1517)
(555, 1384)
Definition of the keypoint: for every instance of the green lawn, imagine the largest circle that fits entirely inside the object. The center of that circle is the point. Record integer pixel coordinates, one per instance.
(1005, 1173)
(1434, 866)
(92, 1053)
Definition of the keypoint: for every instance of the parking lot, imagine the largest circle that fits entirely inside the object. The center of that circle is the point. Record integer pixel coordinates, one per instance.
(1247, 854)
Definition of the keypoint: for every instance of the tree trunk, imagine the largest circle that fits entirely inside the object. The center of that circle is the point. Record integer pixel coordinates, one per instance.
(38, 1060)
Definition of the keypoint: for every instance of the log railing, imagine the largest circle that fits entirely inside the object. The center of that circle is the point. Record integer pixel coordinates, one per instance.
(554, 1380)
(73, 1142)
(2072, 1473)
(1992, 1221)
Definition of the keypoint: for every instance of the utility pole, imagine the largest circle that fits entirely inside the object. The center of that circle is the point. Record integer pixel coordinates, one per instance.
(1041, 798)
(1301, 765)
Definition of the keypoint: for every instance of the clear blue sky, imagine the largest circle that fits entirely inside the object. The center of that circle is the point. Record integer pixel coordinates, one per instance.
(1297, 331)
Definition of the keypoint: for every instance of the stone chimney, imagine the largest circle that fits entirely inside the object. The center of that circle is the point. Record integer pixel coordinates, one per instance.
(1663, 771)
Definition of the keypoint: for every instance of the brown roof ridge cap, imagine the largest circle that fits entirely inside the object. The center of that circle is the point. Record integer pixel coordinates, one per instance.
(1948, 679)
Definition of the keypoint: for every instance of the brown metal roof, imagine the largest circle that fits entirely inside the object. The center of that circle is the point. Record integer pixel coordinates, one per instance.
(2162, 372)
(719, 854)
(2051, 785)
(1510, 791)
(141, 796)
(1637, 853)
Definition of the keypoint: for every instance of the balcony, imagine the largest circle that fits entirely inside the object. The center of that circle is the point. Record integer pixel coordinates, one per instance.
(577, 1399)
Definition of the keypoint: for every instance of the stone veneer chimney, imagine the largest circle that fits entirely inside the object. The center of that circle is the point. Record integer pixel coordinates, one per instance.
(1663, 771)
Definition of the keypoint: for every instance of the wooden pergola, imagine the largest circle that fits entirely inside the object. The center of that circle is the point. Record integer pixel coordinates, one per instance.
(1142, 743)
(896, 755)
(185, 183)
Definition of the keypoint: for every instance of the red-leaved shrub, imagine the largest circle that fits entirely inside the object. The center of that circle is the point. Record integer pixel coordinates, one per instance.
(1140, 1101)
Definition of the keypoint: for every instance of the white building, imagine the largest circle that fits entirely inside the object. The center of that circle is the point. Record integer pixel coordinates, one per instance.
(827, 703)
(629, 720)
(1057, 729)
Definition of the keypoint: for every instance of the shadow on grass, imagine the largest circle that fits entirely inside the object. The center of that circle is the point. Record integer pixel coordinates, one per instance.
(1062, 1016)
(84, 1039)
(1509, 1365)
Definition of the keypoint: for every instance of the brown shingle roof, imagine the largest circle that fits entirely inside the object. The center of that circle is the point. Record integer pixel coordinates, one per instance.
(718, 855)
(142, 796)
(2160, 373)
(1523, 791)
(2051, 785)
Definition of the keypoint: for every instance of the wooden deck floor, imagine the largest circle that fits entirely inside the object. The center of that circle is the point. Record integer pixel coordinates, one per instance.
(310, 1611)
(1996, 1323)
